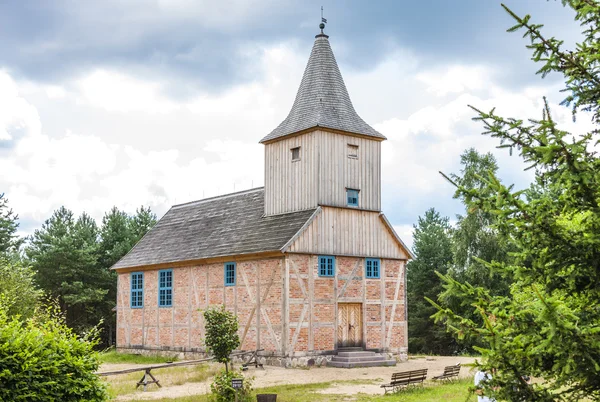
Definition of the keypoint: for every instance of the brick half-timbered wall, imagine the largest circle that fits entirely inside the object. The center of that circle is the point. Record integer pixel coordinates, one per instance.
(313, 303)
(256, 299)
(282, 304)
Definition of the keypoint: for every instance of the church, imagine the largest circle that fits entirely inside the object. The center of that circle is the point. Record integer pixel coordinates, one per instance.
(308, 263)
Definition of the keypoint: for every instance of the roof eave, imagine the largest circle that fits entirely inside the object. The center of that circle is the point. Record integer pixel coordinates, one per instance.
(287, 245)
(398, 239)
(200, 261)
(266, 141)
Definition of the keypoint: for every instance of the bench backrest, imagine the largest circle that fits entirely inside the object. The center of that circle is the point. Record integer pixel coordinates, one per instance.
(409, 375)
(451, 370)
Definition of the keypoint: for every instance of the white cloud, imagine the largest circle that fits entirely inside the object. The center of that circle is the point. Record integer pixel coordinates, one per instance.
(55, 92)
(17, 115)
(117, 92)
(455, 79)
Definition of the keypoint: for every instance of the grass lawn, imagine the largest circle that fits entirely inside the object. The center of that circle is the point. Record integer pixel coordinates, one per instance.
(454, 391)
(125, 384)
(112, 356)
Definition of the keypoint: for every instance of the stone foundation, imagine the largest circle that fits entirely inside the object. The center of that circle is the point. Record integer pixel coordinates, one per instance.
(299, 359)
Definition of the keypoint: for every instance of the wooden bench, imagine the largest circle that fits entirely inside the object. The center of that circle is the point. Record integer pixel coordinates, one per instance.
(404, 379)
(253, 360)
(449, 372)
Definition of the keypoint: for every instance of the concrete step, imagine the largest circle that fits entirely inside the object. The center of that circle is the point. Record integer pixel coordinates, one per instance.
(376, 363)
(357, 358)
(355, 354)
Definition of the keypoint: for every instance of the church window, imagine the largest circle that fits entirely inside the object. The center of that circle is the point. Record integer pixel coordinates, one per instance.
(352, 196)
(352, 151)
(137, 290)
(326, 266)
(372, 268)
(165, 288)
(295, 154)
(230, 274)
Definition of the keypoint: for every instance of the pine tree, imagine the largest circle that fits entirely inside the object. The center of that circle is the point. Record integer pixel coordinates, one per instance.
(548, 326)
(475, 240)
(143, 220)
(433, 252)
(9, 240)
(64, 255)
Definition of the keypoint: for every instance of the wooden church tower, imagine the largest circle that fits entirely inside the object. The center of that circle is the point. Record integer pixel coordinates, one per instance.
(323, 153)
(309, 263)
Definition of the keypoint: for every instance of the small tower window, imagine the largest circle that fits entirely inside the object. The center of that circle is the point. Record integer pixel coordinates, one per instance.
(352, 151)
(352, 196)
(295, 154)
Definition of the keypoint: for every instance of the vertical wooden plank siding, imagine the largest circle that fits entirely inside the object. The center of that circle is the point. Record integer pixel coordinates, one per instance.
(322, 174)
(341, 231)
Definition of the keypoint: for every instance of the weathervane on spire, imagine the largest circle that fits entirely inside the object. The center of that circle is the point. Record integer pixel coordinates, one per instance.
(323, 21)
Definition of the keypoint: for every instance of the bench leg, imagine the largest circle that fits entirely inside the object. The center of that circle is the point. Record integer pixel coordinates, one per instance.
(144, 381)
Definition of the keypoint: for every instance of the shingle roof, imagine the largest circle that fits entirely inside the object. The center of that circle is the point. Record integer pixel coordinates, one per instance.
(228, 225)
(322, 99)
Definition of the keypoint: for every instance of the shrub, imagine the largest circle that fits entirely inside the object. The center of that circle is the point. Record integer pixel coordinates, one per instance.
(221, 333)
(222, 391)
(43, 360)
(21, 294)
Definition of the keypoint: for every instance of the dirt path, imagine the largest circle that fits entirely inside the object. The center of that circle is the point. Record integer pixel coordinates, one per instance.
(277, 376)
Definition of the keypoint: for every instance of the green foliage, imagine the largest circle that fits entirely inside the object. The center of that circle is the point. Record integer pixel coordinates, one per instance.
(548, 326)
(17, 288)
(118, 234)
(221, 333)
(474, 237)
(9, 241)
(72, 260)
(140, 223)
(222, 391)
(475, 240)
(43, 360)
(64, 254)
(433, 252)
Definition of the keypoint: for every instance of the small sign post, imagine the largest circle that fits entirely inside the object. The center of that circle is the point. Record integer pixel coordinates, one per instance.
(237, 384)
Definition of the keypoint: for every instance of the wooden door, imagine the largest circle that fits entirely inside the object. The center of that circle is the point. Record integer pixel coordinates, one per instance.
(349, 325)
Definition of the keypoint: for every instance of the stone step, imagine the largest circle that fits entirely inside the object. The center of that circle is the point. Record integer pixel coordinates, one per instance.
(376, 363)
(357, 358)
(351, 349)
(355, 354)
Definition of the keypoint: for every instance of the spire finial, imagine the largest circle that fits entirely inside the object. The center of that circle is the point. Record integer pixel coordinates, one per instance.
(323, 22)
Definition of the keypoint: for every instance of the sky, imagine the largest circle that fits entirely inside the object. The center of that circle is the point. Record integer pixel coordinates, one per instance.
(160, 102)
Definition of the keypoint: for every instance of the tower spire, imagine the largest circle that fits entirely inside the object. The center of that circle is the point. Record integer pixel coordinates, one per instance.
(322, 99)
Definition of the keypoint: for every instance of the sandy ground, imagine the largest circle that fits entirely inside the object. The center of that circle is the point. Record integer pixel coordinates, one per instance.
(278, 376)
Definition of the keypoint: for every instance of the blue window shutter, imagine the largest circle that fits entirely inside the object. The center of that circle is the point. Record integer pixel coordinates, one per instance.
(352, 197)
(327, 266)
(136, 298)
(372, 267)
(165, 288)
(230, 274)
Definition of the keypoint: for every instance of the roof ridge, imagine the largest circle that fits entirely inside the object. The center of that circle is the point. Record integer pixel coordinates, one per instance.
(217, 197)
